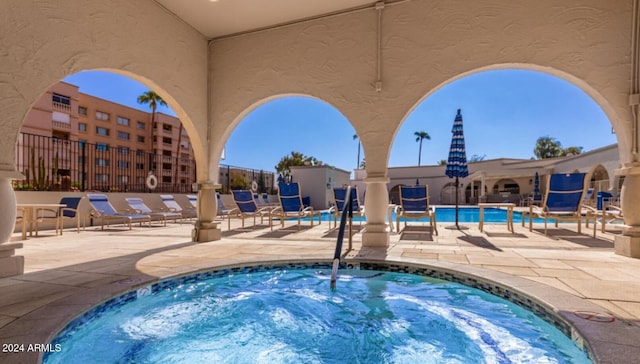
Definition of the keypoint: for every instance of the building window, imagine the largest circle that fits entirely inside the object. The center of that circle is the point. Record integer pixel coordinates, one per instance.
(123, 121)
(82, 127)
(123, 164)
(123, 179)
(166, 153)
(82, 110)
(166, 140)
(102, 147)
(102, 116)
(167, 166)
(123, 135)
(101, 162)
(166, 127)
(140, 153)
(166, 179)
(101, 177)
(102, 131)
(140, 139)
(123, 150)
(140, 166)
(62, 99)
(140, 125)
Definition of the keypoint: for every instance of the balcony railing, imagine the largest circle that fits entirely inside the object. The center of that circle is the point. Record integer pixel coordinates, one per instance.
(61, 106)
(60, 125)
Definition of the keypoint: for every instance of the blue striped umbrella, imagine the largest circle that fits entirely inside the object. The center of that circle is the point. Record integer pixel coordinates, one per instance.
(457, 162)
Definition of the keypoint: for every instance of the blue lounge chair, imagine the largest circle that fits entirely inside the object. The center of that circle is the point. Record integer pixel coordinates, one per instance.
(193, 199)
(248, 208)
(562, 201)
(291, 205)
(266, 202)
(172, 205)
(102, 209)
(70, 211)
(140, 207)
(340, 198)
(414, 204)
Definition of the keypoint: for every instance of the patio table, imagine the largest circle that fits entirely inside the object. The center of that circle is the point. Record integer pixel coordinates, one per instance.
(29, 212)
(508, 206)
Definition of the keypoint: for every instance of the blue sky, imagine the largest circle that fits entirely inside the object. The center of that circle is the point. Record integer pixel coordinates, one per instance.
(504, 113)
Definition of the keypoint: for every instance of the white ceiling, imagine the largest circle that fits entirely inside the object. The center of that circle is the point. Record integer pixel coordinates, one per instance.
(217, 18)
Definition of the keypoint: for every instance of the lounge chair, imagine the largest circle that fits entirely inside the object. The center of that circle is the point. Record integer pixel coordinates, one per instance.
(266, 202)
(608, 213)
(102, 209)
(224, 211)
(140, 207)
(563, 200)
(248, 208)
(70, 211)
(291, 205)
(173, 206)
(414, 204)
(340, 198)
(193, 200)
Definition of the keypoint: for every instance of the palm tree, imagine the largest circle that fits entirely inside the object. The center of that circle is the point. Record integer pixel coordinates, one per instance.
(420, 135)
(355, 137)
(153, 99)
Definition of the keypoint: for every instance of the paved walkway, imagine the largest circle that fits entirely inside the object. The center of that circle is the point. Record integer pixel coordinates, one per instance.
(565, 271)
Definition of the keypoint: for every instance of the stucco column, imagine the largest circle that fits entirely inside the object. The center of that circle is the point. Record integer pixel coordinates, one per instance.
(206, 228)
(482, 195)
(10, 264)
(376, 204)
(628, 244)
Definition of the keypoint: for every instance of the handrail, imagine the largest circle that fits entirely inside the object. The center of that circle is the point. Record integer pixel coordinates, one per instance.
(347, 209)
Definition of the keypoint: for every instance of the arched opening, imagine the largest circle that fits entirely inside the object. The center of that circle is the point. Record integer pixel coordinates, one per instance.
(501, 103)
(448, 194)
(298, 137)
(103, 131)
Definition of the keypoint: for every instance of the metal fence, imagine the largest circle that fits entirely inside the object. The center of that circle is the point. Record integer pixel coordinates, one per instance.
(53, 164)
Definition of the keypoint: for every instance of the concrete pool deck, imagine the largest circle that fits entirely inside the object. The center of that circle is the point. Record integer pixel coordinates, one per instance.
(577, 276)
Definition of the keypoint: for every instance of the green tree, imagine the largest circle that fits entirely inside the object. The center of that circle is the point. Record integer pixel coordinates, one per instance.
(547, 147)
(420, 135)
(238, 181)
(355, 137)
(295, 159)
(153, 100)
(442, 162)
(572, 151)
(262, 185)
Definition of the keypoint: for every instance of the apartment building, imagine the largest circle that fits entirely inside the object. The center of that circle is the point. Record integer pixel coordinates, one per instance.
(73, 140)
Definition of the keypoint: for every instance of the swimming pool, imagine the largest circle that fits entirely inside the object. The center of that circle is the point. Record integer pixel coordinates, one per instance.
(289, 315)
(465, 214)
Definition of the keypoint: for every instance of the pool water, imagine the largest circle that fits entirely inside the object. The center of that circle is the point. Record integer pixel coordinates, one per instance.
(292, 316)
(465, 214)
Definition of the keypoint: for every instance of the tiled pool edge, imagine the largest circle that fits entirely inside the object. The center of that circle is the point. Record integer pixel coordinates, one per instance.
(505, 290)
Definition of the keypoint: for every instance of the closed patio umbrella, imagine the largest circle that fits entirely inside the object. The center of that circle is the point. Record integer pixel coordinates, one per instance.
(457, 162)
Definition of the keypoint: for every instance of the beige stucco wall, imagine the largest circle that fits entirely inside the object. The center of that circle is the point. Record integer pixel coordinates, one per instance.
(425, 44)
(314, 181)
(43, 41)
